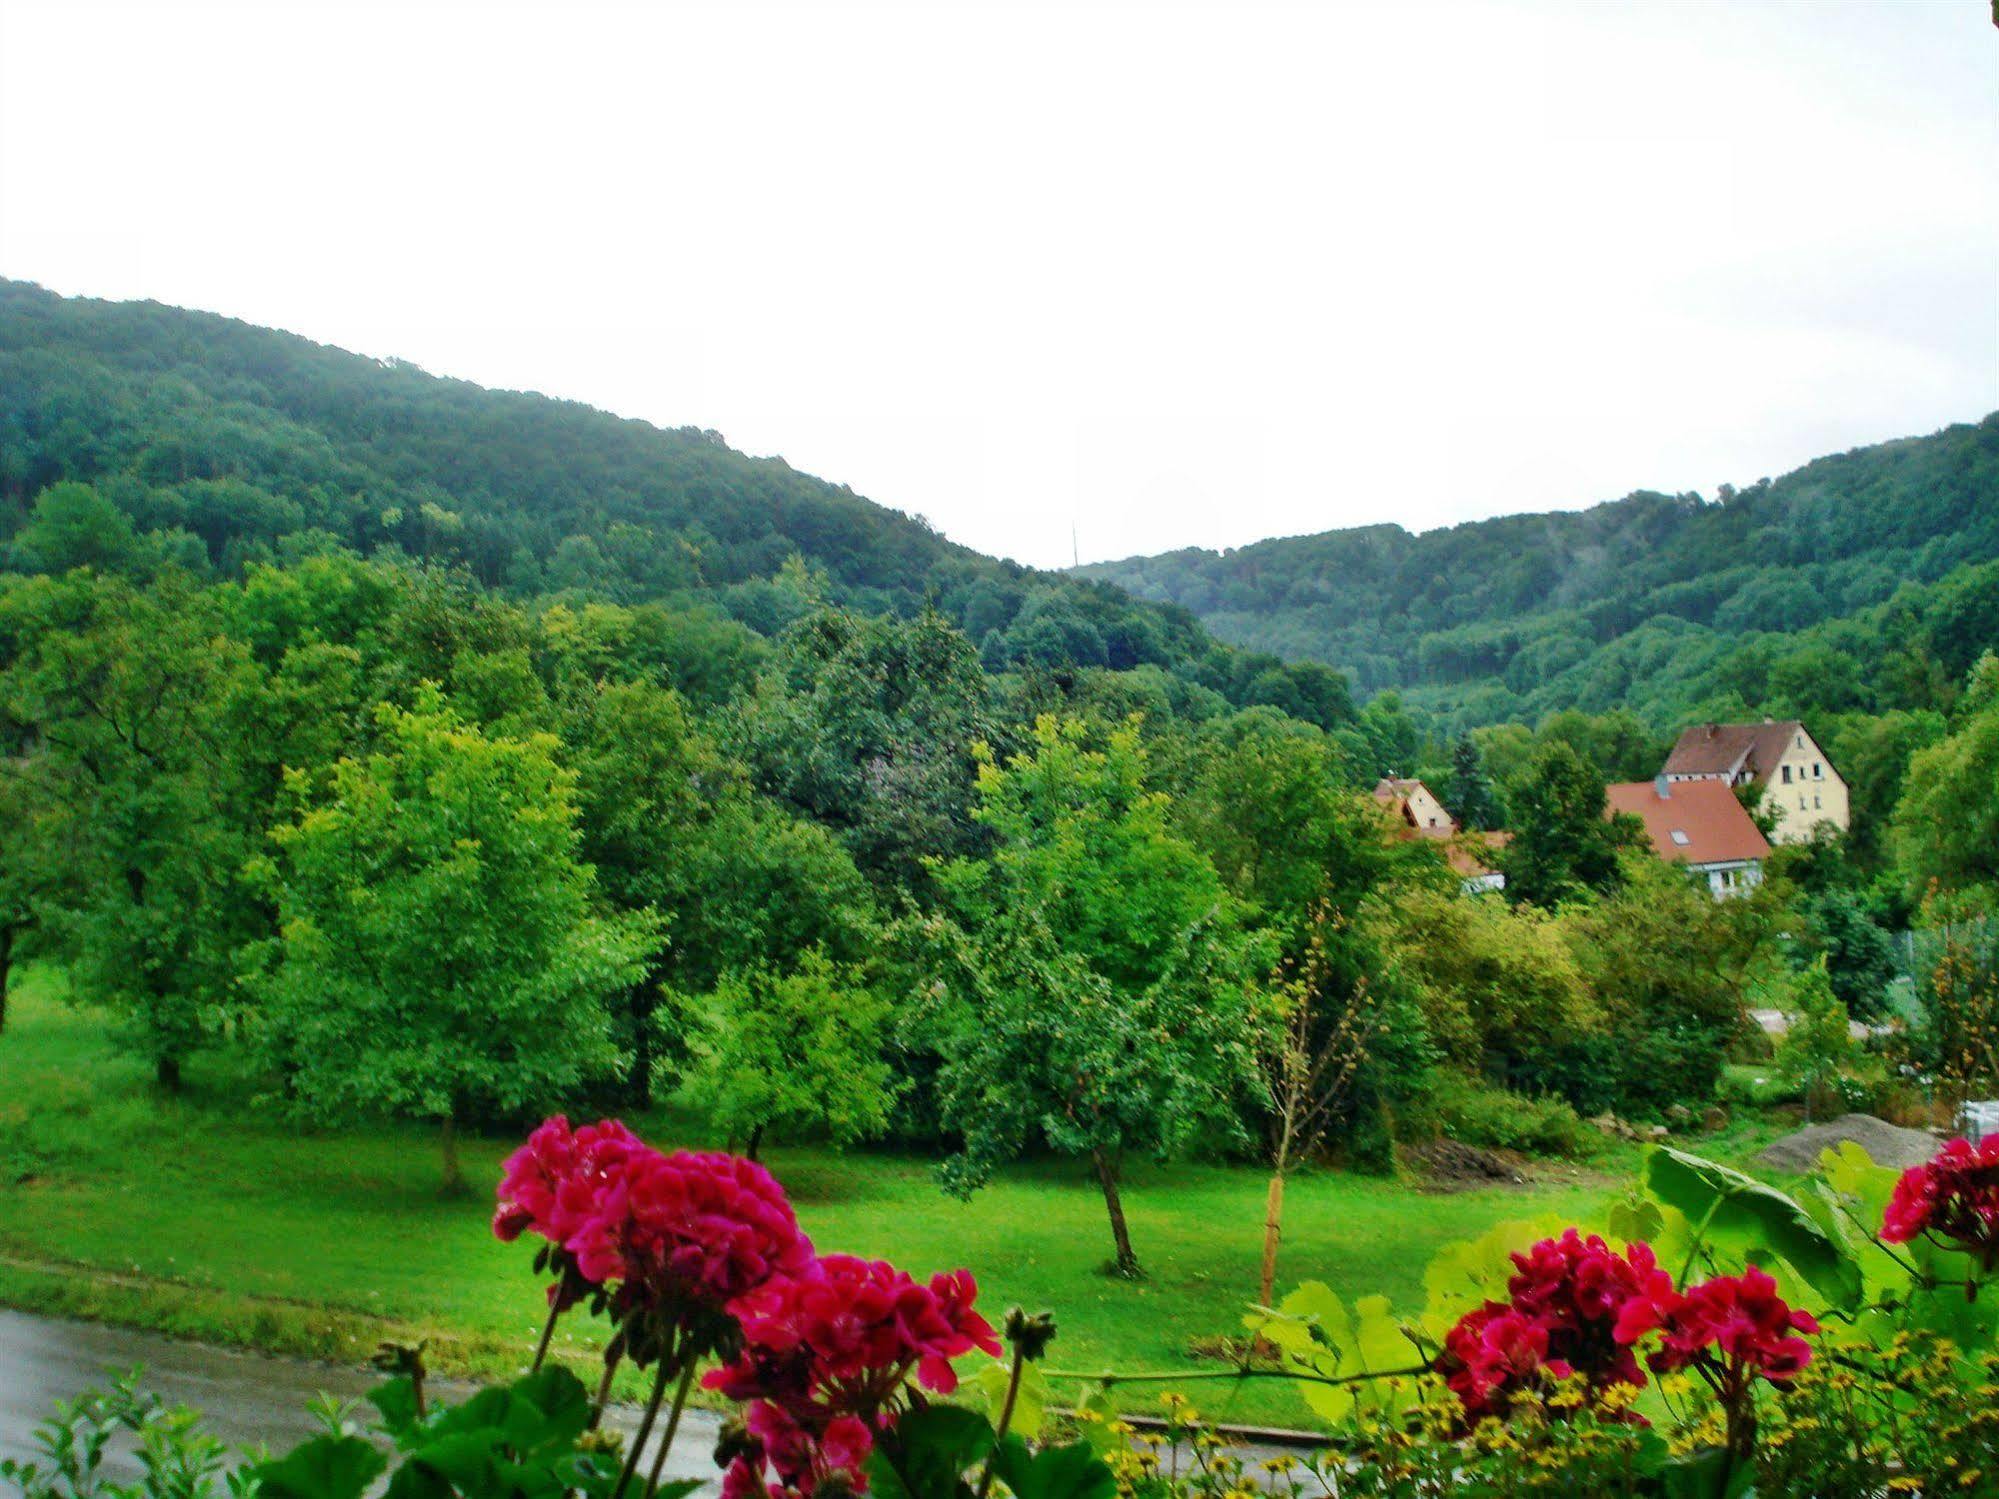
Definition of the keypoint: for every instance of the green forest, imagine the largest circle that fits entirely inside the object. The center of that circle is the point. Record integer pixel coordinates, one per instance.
(1863, 582)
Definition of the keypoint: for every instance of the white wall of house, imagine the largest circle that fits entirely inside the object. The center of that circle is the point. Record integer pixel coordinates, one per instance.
(1803, 790)
(1736, 877)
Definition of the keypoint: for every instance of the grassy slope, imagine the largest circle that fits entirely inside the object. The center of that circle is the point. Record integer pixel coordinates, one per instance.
(207, 1217)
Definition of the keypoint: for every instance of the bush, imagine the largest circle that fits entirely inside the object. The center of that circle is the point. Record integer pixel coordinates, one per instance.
(1744, 1086)
(1499, 1120)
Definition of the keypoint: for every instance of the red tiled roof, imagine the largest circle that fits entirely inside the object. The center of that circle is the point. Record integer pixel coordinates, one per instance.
(1716, 749)
(1710, 824)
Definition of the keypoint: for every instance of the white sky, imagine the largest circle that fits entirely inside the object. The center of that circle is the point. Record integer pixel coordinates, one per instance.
(1180, 275)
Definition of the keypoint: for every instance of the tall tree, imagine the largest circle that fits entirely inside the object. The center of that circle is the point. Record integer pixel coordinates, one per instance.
(1470, 795)
(1098, 993)
(1946, 830)
(799, 1051)
(34, 858)
(1272, 804)
(1563, 846)
(439, 957)
(867, 726)
(131, 699)
(672, 826)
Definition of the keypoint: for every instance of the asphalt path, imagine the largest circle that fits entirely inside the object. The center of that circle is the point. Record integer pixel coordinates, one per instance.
(248, 1400)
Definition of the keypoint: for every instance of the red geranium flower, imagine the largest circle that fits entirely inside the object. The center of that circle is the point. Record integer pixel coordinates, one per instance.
(552, 1180)
(827, 1353)
(1567, 1297)
(1955, 1196)
(1750, 1329)
(698, 1228)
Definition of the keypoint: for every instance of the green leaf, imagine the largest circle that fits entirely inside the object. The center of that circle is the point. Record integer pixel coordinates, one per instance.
(1733, 1203)
(1028, 1404)
(1707, 1475)
(323, 1468)
(396, 1400)
(1071, 1472)
(1636, 1220)
(925, 1457)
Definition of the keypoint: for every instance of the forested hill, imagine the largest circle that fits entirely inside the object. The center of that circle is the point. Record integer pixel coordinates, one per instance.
(228, 444)
(1663, 603)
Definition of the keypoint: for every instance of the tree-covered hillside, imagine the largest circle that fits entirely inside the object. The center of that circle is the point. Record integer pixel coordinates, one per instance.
(1814, 589)
(223, 444)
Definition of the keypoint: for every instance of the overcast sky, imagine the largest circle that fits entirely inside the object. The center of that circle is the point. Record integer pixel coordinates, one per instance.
(1173, 275)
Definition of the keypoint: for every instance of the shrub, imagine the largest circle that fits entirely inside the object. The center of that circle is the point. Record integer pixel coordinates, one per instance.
(1499, 1120)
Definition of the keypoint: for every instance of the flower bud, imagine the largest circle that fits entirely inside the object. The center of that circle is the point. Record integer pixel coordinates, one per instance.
(1030, 1336)
(734, 1441)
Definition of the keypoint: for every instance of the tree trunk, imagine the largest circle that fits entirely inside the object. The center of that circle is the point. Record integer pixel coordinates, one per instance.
(454, 1174)
(1273, 1232)
(1126, 1263)
(638, 1081)
(756, 1142)
(167, 1071)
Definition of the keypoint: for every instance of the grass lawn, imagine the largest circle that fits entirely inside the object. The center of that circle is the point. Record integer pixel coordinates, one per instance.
(206, 1215)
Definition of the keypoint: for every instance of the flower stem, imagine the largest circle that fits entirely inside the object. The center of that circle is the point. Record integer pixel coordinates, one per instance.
(625, 1473)
(613, 1356)
(1005, 1420)
(547, 1332)
(672, 1426)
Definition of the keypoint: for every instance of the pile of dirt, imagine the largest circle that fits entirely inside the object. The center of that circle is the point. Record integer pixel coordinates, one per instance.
(1451, 1164)
(1886, 1144)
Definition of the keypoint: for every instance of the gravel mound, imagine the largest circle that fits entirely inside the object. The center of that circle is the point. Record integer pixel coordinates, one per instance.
(1888, 1144)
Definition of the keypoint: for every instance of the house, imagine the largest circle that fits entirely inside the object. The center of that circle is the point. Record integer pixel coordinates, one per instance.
(1471, 854)
(1800, 787)
(1416, 805)
(1700, 824)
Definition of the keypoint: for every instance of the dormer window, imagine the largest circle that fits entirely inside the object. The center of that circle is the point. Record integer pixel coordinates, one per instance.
(1680, 837)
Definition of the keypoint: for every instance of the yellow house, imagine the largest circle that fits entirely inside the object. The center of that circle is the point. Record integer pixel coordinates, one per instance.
(1799, 785)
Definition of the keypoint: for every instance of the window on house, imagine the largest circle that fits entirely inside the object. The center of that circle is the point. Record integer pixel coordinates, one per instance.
(1680, 837)
(1818, 771)
(1787, 775)
(1801, 801)
(1815, 803)
(1801, 741)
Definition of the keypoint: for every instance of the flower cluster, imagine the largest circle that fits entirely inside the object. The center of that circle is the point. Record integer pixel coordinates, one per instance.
(1955, 1197)
(1738, 1320)
(1566, 1299)
(693, 1227)
(679, 1235)
(825, 1354)
(549, 1185)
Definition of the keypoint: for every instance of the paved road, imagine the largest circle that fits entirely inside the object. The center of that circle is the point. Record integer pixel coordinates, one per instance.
(247, 1398)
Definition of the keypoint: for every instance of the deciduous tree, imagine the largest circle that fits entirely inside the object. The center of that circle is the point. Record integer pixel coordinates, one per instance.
(439, 957)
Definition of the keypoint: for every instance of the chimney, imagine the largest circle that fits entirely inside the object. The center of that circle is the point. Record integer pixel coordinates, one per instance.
(1662, 786)
(1713, 729)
